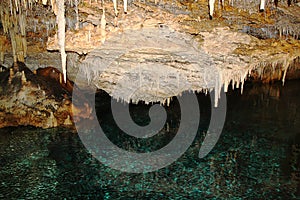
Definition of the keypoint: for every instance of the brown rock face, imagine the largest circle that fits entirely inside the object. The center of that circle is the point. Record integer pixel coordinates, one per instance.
(53, 74)
(38, 99)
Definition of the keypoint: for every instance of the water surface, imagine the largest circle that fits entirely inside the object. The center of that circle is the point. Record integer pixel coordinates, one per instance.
(256, 157)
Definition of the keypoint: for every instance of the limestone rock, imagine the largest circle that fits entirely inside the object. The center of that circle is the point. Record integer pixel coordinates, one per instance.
(36, 101)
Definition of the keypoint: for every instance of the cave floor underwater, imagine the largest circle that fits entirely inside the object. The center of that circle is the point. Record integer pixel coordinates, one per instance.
(256, 157)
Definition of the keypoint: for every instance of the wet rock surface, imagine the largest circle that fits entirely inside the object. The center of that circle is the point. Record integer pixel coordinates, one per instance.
(37, 98)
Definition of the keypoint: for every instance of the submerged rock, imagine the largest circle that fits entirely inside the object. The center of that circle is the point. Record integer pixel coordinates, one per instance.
(38, 98)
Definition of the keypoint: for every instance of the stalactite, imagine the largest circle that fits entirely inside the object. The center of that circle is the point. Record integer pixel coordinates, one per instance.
(103, 25)
(54, 6)
(243, 78)
(14, 22)
(20, 48)
(218, 88)
(22, 25)
(13, 44)
(61, 22)
(125, 6)
(169, 101)
(115, 7)
(11, 6)
(17, 6)
(3, 41)
(286, 65)
(211, 8)
(76, 3)
(262, 5)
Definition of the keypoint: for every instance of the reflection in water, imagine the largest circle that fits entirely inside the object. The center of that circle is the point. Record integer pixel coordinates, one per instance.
(257, 156)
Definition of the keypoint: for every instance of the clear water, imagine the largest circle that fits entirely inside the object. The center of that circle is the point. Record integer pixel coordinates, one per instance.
(257, 156)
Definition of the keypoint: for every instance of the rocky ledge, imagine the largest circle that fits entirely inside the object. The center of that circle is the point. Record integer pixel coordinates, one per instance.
(38, 98)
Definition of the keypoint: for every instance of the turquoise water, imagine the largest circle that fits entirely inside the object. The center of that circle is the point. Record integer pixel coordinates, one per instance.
(256, 157)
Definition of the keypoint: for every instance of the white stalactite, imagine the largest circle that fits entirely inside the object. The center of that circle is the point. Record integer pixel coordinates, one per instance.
(211, 8)
(115, 7)
(13, 44)
(61, 22)
(262, 5)
(77, 14)
(103, 25)
(11, 7)
(17, 5)
(125, 6)
(286, 65)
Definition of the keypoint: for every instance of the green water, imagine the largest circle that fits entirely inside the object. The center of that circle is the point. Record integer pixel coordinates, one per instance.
(256, 157)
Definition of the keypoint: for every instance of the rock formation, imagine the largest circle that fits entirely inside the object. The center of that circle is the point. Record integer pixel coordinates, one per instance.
(158, 49)
(38, 99)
